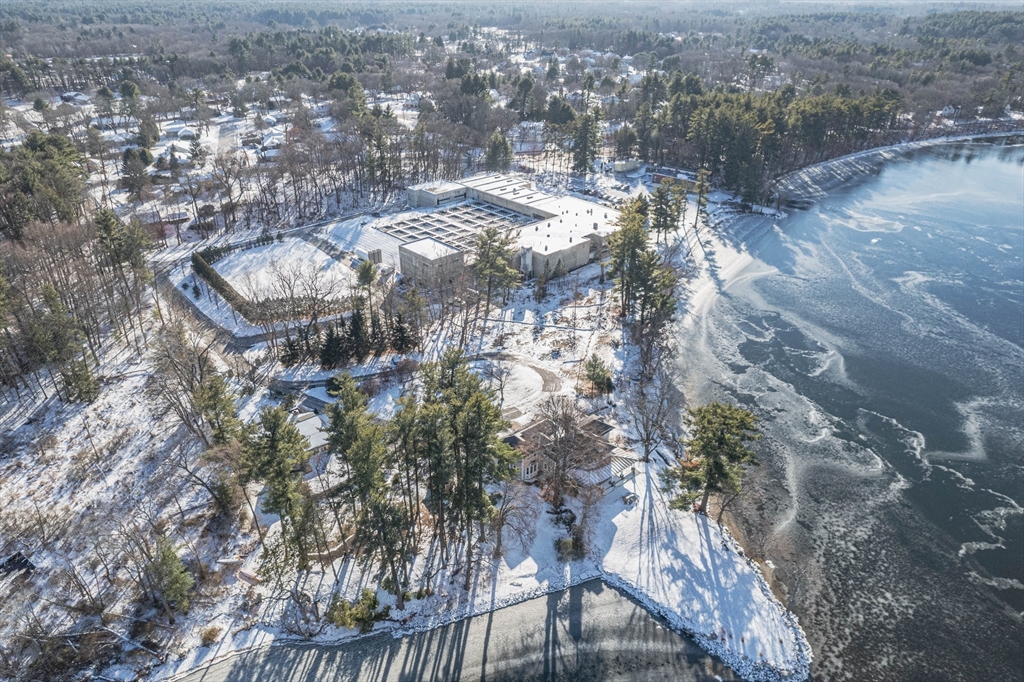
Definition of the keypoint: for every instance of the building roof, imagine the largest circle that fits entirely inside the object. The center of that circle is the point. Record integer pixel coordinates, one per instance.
(567, 218)
(353, 235)
(614, 466)
(310, 425)
(430, 248)
(438, 186)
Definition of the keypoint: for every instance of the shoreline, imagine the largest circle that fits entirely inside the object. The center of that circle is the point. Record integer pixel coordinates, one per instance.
(815, 181)
(575, 573)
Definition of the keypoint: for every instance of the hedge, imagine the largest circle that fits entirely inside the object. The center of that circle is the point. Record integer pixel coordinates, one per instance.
(241, 304)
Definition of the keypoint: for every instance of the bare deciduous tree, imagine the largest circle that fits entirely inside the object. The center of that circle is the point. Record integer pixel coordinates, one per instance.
(516, 514)
(498, 373)
(566, 447)
(649, 405)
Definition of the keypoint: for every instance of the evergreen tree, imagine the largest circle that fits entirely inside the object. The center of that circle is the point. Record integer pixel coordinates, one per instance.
(291, 352)
(598, 374)
(215, 402)
(273, 452)
(493, 265)
(625, 246)
(540, 285)
(332, 350)
(586, 141)
(402, 339)
(499, 153)
(357, 337)
(663, 218)
(169, 579)
(80, 383)
(716, 452)
(378, 339)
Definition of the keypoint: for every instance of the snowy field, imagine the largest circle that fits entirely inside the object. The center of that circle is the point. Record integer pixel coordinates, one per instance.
(265, 270)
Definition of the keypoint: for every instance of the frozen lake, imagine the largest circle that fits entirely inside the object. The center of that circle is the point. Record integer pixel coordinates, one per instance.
(879, 335)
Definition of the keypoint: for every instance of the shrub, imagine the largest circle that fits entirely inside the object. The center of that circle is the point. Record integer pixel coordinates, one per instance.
(571, 547)
(210, 635)
(361, 614)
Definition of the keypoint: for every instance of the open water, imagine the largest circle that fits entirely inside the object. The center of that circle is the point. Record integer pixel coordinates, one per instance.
(879, 336)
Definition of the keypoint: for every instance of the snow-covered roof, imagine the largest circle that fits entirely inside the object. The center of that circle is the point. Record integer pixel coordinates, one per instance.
(353, 235)
(428, 247)
(311, 426)
(615, 466)
(437, 186)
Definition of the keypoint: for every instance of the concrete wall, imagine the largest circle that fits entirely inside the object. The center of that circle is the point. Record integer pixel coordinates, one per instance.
(573, 256)
(426, 270)
(426, 198)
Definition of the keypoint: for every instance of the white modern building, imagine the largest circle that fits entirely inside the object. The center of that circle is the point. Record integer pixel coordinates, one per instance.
(549, 229)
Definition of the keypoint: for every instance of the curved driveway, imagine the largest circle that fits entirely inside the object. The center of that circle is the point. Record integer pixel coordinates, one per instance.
(590, 632)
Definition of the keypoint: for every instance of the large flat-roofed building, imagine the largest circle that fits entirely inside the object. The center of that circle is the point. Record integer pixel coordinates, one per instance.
(428, 260)
(550, 229)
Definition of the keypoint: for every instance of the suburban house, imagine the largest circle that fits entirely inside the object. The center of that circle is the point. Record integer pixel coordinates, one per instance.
(611, 465)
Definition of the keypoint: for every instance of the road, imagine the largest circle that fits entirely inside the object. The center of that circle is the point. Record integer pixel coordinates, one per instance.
(590, 632)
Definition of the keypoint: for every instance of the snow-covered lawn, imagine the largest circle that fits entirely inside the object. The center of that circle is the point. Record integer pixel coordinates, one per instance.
(261, 269)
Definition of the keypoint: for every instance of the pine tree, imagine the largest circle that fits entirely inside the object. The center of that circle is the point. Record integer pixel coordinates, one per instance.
(663, 219)
(273, 452)
(586, 141)
(332, 349)
(499, 153)
(540, 285)
(402, 340)
(215, 402)
(625, 246)
(80, 384)
(291, 352)
(170, 580)
(716, 452)
(597, 373)
(378, 339)
(493, 265)
(358, 340)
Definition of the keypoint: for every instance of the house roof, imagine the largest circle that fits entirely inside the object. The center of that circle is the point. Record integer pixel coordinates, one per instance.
(311, 426)
(613, 466)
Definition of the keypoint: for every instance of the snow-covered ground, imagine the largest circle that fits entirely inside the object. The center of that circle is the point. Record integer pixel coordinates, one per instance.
(261, 269)
(680, 565)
